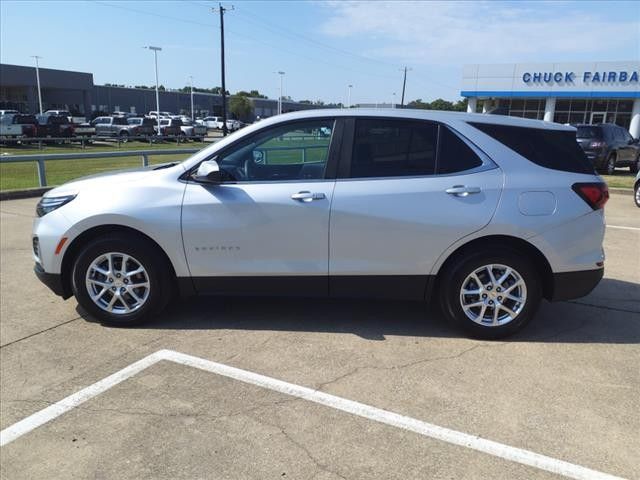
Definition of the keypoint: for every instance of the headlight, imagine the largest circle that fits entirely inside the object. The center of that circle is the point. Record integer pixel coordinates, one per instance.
(49, 204)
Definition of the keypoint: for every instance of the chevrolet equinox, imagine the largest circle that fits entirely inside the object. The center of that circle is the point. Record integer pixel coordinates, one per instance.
(485, 215)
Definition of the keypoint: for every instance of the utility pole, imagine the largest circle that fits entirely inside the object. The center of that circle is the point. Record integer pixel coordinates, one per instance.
(191, 85)
(38, 81)
(404, 84)
(349, 97)
(221, 11)
(155, 56)
(280, 96)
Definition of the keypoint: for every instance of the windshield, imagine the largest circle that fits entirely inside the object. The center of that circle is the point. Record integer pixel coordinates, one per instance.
(589, 132)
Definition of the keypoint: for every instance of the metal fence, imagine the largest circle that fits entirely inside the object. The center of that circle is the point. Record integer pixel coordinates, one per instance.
(88, 140)
(42, 158)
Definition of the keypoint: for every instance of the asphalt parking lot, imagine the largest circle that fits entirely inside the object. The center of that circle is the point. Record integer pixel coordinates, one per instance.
(568, 387)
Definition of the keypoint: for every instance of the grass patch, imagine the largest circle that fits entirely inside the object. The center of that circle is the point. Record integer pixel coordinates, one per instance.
(620, 180)
(14, 176)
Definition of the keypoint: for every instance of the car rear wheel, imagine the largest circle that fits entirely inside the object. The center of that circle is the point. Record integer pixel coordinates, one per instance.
(121, 280)
(490, 294)
(636, 195)
(611, 164)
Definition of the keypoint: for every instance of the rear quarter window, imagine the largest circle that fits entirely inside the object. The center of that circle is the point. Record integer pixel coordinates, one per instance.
(454, 155)
(554, 149)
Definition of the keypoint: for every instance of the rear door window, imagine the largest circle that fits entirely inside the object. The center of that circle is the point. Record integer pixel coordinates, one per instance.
(393, 148)
(555, 149)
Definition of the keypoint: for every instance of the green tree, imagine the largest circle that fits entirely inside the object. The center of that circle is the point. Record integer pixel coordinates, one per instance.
(240, 107)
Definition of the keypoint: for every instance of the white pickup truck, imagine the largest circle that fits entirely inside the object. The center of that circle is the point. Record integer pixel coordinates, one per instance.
(15, 126)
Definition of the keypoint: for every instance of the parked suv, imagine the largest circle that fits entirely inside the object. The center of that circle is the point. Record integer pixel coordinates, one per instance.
(485, 215)
(114, 127)
(608, 146)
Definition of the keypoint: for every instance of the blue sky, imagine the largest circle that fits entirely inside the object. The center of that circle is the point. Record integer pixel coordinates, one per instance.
(323, 46)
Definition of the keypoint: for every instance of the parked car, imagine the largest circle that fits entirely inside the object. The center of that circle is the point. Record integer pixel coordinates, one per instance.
(636, 190)
(609, 146)
(171, 127)
(212, 122)
(154, 114)
(16, 126)
(114, 127)
(142, 126)
(5, 112)
(191, 129)
(455, 208)
(54, 126)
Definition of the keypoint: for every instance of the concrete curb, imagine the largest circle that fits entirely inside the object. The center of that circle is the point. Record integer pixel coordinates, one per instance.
(621, 191)
(27, 193)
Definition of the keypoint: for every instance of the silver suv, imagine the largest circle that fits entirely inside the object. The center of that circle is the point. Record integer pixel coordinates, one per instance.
(485, 215)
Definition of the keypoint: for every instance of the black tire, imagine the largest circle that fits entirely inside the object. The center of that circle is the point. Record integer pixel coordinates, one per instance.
(146, 254)
(635, 166)
(451, 283)
(124, 136)
(610, 166)
(636, 195)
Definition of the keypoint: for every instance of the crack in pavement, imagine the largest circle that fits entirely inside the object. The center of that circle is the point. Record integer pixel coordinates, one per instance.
(320, 467)
(39, 332)
(603, 307)
(355, 370)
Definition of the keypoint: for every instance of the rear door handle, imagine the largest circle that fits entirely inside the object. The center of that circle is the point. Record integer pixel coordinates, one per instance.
(462, 190)
(306, 196)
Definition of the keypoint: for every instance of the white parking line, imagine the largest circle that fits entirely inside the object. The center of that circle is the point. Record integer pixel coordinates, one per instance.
(454, 437)
(622, 228)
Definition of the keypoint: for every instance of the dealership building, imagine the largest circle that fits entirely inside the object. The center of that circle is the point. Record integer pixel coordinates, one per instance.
(76, 92)
(590, 92)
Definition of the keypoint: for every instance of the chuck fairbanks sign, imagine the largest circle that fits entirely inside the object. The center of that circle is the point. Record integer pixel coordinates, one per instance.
(588, 77)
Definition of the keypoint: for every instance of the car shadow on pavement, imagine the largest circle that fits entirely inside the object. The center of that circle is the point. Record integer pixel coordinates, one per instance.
(588, 320)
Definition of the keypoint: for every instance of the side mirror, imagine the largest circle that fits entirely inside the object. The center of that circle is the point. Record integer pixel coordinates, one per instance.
(208, 172)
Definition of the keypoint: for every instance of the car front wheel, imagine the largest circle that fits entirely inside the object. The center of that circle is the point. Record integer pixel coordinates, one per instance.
(121, 280)
(491, 294)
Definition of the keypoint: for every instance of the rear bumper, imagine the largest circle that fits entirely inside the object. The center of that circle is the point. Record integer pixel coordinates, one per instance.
(570, 285)
(51, 280)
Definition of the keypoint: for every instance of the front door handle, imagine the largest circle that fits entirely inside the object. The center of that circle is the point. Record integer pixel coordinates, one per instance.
(306, 196)
(462, 190)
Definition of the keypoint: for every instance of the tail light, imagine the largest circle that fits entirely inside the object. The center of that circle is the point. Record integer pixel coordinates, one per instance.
(595, 194)
(596, 144)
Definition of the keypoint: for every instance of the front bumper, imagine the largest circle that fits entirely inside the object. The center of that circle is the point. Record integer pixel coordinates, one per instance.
(570, 285)
(51, 280)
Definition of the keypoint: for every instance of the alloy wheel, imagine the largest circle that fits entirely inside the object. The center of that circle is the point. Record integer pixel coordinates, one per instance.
(117, 283)
(493, 295)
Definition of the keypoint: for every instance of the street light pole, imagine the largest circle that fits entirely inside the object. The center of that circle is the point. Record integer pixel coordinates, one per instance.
(191, 85)
(38, 81)
(280, 97)
(349, 97)
(155, 57)
(393, 100)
